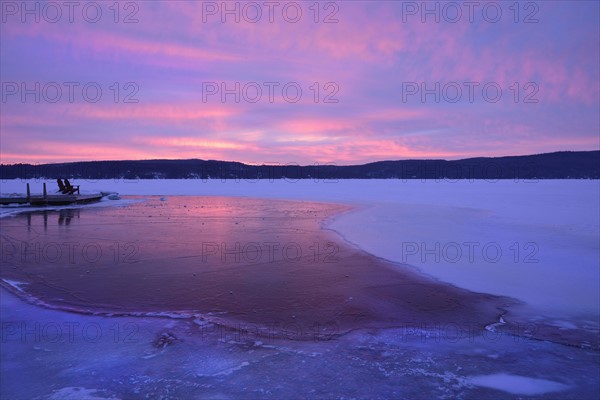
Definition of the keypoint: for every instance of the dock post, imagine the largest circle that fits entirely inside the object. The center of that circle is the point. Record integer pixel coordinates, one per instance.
(45, 193)
(28, 193)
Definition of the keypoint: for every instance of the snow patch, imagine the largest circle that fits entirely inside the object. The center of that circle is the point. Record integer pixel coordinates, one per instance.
(492, 327)
(515, 384)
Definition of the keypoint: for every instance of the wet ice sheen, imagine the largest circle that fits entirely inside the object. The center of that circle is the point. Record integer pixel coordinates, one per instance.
(263, 263)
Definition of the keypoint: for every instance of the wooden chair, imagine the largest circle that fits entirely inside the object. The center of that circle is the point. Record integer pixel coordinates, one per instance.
(70, 188)
(61, 186)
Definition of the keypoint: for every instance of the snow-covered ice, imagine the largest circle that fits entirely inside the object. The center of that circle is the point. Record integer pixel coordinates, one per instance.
(74, 356)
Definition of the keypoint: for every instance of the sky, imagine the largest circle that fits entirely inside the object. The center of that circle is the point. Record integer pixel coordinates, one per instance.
(342, 82)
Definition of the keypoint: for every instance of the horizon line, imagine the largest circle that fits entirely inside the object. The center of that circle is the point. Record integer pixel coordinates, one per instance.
(331, 163)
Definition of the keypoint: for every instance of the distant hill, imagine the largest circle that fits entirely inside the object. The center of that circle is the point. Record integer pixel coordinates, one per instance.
(559, 165)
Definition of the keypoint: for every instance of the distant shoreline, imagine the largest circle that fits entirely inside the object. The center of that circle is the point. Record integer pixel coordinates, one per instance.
(558, 165)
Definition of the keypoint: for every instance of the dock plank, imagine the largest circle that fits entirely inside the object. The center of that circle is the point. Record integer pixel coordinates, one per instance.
(57, 199)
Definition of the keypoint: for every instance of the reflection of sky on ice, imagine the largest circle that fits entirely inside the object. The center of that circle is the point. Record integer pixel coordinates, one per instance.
(14, 209)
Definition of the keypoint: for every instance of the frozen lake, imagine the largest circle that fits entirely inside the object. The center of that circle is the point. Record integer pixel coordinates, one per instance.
(532, 243)
(502, 237)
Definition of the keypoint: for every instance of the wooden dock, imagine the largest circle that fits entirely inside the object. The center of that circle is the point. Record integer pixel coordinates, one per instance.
(50, 199)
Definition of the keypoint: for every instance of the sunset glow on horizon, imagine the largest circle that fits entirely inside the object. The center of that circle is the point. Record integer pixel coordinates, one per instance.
(297, 82)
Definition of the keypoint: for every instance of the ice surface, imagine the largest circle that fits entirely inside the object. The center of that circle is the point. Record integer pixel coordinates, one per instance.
(79, 393)
(548, 231)
(205, 361)
(62, 355)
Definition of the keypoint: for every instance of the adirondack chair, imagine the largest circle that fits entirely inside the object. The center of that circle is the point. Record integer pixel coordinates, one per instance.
(70, 188)
(61, 186)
